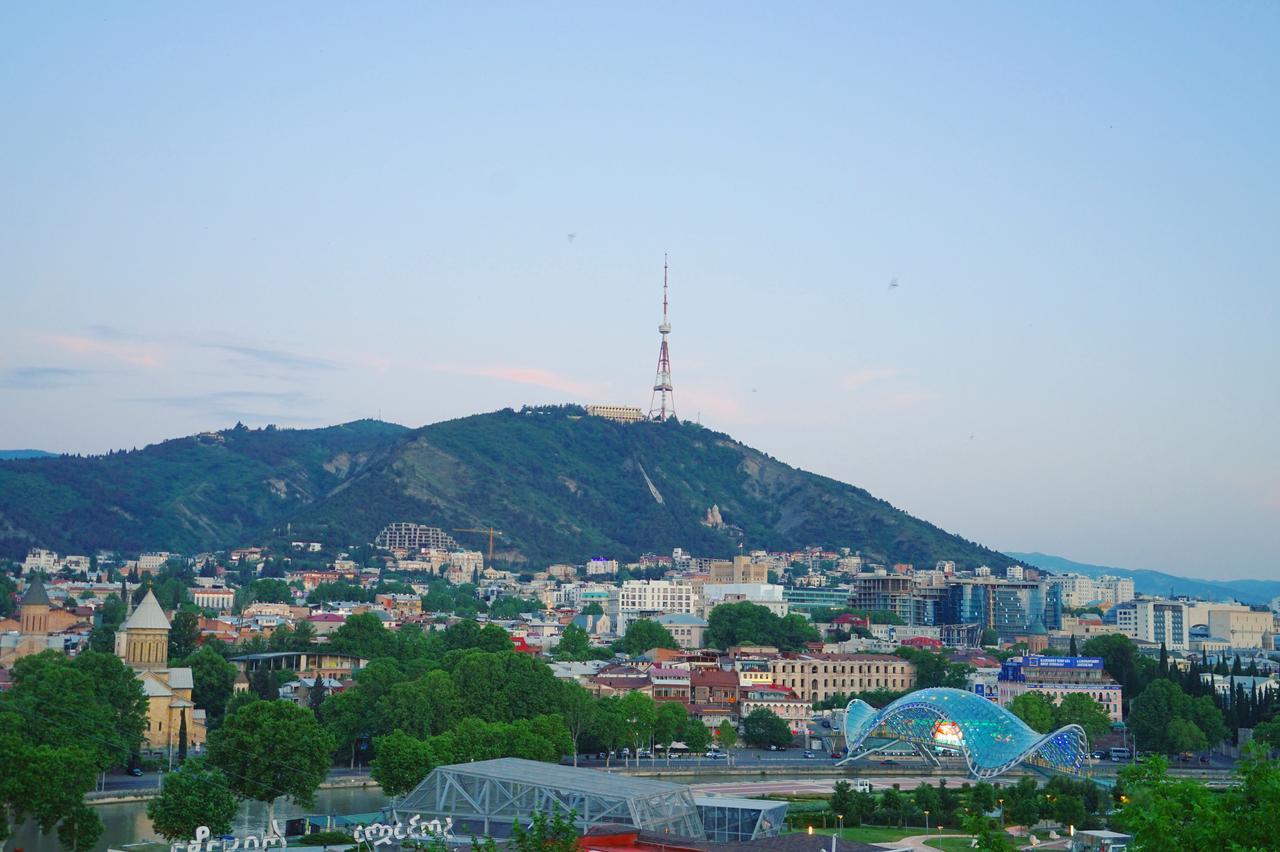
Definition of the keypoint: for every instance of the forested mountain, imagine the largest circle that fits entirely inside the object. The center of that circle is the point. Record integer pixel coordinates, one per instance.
(559, 485)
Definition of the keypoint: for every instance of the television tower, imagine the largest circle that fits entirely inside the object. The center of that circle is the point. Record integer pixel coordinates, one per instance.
(663, 403)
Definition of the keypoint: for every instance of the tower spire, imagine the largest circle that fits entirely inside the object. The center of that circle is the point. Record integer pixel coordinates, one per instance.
(663, 403)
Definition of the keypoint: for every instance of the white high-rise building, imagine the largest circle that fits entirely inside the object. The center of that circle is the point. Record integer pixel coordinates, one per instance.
(657, 596)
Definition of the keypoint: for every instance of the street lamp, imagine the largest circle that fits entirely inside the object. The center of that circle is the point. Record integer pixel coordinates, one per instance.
(1001, 803)
(926, 822)
(839, 831)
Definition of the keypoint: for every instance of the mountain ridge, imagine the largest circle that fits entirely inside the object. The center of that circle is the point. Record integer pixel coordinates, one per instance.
(1158, 582)
(559, 485)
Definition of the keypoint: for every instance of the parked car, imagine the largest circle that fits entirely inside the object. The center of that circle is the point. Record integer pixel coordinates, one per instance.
(1097, 755)
(1204, 759)
(135, 772)
(808, 754)
(835, 755)
(716, 755)
(888, 762)
(644, 752)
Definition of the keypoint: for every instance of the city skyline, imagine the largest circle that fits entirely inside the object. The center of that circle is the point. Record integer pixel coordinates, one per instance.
(1008, 269)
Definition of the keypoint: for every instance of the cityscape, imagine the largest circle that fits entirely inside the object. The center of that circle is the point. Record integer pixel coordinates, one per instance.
(338, 510)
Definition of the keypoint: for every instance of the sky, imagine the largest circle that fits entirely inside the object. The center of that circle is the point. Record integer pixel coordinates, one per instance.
(305, 214)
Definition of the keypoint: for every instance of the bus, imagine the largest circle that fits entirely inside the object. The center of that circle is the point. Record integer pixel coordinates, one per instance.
(1120, 753)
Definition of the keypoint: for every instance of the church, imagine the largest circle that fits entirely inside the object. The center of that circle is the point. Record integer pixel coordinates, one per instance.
(39, 627)
(143, 643)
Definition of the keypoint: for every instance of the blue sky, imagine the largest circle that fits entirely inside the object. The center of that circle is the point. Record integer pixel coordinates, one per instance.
(308, 213)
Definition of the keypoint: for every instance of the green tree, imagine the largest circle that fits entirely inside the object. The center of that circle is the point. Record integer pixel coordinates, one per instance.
(184, 633)
(726, 736)
(643, 635)
(401, 763)
(1252, 806)
(213, 681)
(1068, 809)
(574, 644)
(363, 636)
(1081, 709)
(990, 638)
(344, 717)
(1163, 813)
(304, 636)
(578, 708)
(763, 728)
(117, 687)
(988, 835)
(593, 608)
(935, 669)
(1268, 733)
(269, 749)
(44, 781)
(696, 735)
(1034, 709)
(982, 798)
(640, 714)
(422, 707)
(554, 833)
(746, 623)
(268, 590)
(263, 684)
(842, 799)
(190, 797)
(669, 722)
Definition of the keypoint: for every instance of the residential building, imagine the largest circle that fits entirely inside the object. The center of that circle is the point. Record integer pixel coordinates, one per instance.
(669, 684)
(817, 677)
(783, 702)
(1058, 677)
(302, 663)
(412, 537)
(1155, 621)
(151, 563)
(599, 567)
(637, 597)
(38, 559)
(686, 628)
(217, 598)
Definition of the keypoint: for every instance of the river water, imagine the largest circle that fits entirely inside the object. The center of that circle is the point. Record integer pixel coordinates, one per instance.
(127, 822)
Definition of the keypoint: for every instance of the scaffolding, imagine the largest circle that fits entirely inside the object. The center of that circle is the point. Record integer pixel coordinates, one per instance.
(489, 796)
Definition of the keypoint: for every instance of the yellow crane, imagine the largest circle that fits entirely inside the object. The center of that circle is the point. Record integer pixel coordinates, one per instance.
(490, 530)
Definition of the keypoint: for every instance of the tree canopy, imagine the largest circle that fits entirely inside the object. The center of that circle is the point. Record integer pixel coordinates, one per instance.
(746, 623)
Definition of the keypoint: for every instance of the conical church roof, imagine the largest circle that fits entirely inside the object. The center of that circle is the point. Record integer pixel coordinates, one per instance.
(36, 595)
(148, 615)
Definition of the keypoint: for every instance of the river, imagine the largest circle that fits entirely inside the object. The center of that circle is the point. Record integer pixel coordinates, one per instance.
(127, 822)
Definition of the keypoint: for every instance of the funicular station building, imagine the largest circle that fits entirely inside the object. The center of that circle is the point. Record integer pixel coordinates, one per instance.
(943, 722)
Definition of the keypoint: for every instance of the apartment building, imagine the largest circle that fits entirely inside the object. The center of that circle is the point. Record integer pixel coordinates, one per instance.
(656, 596)
(216, 598)
(816, 677)
(1155, 621)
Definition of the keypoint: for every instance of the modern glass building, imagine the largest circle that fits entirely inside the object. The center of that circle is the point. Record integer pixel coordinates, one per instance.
(487, 797)
(727, 818)
(991, 739)
(1007, 606)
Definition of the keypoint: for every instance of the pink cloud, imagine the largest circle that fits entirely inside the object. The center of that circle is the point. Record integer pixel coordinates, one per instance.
(535, 376)
(867, 375)
(131, 352)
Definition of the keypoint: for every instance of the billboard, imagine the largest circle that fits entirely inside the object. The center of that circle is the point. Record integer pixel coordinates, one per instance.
(1064, 662)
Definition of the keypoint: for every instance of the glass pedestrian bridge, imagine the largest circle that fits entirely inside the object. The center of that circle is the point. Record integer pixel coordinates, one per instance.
(948, 721)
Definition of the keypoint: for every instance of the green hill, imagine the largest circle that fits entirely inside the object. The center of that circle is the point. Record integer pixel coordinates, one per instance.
(561, 486)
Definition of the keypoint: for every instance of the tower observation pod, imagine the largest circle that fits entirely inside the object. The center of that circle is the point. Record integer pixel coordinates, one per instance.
(662, 405)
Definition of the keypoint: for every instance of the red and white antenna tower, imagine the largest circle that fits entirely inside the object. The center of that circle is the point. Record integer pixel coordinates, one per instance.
(663, 403)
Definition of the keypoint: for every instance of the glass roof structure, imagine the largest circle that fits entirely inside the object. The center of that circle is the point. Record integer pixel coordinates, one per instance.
(490, 796)
(992, 739)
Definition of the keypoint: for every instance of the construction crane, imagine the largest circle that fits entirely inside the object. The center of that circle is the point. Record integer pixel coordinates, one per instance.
(491, 531)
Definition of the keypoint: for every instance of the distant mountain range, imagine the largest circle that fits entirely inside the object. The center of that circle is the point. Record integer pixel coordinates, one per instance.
(558, 484)
(1159, 583)
(25, 454)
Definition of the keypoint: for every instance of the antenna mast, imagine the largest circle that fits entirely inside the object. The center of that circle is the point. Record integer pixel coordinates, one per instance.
(662, 404)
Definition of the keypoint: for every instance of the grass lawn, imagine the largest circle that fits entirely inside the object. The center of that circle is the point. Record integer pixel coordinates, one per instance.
(877, 834)
(950, 844)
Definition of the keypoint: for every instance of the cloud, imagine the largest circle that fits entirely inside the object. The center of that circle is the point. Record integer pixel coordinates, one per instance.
(111, 332)
(535, 376)
(128, 351)
(867, 375)
(275, 357)
(219, 399)
(39, 378)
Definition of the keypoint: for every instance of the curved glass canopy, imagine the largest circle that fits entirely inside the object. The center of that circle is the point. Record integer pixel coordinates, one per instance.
(992, 739)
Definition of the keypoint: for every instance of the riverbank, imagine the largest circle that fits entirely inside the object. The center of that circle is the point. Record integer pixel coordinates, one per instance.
(118, 797)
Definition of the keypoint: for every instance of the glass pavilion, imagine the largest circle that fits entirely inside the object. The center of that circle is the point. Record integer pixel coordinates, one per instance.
(991, 739)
